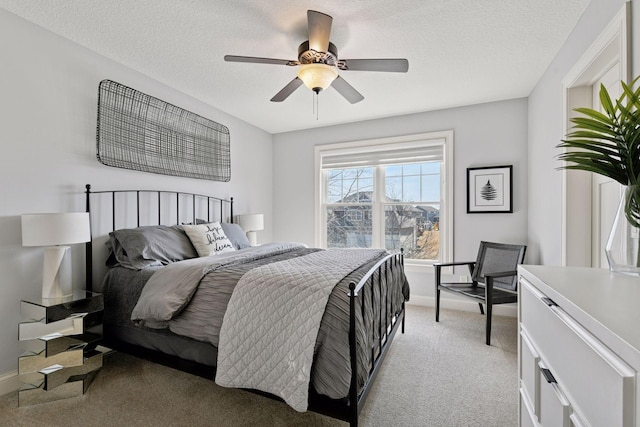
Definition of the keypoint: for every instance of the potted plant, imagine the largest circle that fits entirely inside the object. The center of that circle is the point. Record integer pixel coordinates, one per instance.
(608, 143)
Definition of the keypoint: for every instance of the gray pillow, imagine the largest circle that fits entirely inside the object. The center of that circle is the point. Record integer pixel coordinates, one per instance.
(236, 234)
(142, 247)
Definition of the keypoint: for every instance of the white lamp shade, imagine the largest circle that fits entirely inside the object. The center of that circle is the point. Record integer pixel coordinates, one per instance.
(50, 229)
(251, 222)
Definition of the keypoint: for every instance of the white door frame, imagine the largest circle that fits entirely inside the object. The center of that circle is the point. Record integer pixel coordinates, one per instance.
(612, 45)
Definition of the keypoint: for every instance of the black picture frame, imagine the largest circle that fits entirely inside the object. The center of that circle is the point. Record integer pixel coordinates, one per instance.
(490, 189)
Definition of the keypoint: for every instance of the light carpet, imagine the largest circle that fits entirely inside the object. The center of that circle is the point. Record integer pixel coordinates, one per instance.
(436, 374)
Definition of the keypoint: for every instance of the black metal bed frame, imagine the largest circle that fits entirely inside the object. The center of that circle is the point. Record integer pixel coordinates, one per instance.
(389, 323)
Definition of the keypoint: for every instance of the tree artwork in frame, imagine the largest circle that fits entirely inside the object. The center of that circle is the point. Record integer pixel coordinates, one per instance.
(490, 189)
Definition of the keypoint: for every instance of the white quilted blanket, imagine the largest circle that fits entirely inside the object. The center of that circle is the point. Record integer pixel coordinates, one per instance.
(271, 324)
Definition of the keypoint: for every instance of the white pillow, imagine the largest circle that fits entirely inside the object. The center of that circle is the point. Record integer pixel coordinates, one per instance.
(208, 239)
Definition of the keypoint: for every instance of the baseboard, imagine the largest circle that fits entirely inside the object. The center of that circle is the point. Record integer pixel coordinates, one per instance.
(9, 382)
(510, 310)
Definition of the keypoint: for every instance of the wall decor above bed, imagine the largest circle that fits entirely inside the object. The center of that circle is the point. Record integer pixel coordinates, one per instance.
(137, 131)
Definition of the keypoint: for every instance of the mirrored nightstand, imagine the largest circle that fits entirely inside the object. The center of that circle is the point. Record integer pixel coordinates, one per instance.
(60, 340)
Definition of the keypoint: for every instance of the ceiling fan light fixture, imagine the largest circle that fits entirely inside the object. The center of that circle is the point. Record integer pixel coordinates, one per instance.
(317, 76)
(319, 63)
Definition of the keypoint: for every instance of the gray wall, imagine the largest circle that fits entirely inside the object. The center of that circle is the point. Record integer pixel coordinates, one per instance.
(545, 131)
(484, 135)
(48, 101)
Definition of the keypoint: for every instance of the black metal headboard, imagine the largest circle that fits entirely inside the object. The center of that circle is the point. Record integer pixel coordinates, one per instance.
(180, 198)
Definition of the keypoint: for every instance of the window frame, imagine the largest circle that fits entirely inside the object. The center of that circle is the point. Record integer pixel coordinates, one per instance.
(444, 138)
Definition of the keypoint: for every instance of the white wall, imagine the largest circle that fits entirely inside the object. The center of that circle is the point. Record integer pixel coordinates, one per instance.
(484, 135)
(48, 99)
(545, 131)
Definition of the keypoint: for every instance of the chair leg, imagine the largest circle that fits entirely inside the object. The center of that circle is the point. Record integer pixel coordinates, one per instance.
(488, 299)
(489, 322)
(438, 276)
(481, 308)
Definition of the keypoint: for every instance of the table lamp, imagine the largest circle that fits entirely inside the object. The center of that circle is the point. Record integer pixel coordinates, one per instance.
(56, 231)
(251, 223)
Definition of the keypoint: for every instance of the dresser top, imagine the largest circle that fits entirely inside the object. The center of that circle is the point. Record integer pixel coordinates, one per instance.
(594, 297)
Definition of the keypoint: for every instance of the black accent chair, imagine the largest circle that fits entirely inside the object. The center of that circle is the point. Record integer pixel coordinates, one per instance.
(494, 278)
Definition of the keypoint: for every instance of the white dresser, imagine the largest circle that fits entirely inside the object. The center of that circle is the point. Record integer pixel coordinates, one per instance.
(579, 347)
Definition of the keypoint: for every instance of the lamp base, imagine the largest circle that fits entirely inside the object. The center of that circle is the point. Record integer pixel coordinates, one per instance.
(56, 274)
(253, 238)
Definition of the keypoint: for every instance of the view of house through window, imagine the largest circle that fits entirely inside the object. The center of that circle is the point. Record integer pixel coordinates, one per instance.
(393, 193)
(400, 202)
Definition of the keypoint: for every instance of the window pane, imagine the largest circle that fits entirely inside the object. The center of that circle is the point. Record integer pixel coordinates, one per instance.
(349, 191)
(349, 174)
(365, 189)
(431, 167)
(411, 189)
(416, 182)
(413, 229)
(393, 189)
(412, 169)
(365, 173)
(349, 185)
(349, 226)
(334, 191)
(334, 174)
(393, 170)
(430, 188)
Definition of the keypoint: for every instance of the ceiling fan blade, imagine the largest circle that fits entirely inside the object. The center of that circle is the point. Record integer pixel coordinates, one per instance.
(387, 65)
(319, 30)
(287, 90)
(346, 90)
(255, 60)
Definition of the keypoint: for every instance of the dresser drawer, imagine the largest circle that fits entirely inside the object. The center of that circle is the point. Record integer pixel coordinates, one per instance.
(597, 383)
(529, 373)
(527, 418)
(555, 408)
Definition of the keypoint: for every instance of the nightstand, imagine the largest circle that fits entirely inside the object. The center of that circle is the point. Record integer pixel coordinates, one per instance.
(60, 339)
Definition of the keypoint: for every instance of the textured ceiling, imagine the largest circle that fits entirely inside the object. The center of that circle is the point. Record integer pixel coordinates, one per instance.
(460, 52)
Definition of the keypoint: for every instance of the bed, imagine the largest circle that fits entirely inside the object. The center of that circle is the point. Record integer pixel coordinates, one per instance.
(327, 317)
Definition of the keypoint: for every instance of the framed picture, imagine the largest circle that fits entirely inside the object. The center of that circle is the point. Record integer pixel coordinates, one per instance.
(490, 189)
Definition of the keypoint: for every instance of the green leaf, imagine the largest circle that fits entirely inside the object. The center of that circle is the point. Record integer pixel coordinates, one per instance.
(605, 100)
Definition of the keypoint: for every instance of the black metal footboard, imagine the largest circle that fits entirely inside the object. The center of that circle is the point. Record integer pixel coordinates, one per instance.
(389, 323)
(382, 277)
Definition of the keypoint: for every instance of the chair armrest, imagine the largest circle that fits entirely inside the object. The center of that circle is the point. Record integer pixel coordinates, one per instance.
(501, 274)
(488, 283)
(450, 264)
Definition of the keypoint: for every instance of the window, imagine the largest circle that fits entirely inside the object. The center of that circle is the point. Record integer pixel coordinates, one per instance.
(389, 193)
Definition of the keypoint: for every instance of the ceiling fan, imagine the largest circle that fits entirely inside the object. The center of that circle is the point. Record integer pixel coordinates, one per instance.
(319, 63)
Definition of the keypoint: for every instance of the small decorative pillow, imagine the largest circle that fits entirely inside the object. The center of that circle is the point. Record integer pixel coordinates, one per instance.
(208, 239)
(236, 235)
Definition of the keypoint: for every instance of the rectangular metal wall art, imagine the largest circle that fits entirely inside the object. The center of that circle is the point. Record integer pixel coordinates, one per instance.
(137, 131)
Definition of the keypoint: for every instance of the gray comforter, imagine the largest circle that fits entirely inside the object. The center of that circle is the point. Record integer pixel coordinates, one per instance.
(201, 290)
(270, 327)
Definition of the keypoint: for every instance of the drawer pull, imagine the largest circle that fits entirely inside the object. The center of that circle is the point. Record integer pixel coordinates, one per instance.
(548, 375)
(548, 301)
